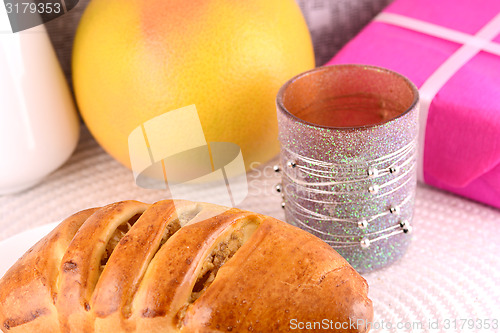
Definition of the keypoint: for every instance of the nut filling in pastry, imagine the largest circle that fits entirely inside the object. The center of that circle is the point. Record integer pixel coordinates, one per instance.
(118, 234)
(178, 266)
(219, 256)
(171, 229)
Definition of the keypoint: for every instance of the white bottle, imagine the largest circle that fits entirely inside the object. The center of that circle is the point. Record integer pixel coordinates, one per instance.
(39, 126)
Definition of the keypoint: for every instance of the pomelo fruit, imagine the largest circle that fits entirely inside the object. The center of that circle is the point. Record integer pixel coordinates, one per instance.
(136, 59)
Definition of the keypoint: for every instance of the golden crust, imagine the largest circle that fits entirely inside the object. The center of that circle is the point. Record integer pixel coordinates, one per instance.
(304, 279)
(28, 291)
(178, 266)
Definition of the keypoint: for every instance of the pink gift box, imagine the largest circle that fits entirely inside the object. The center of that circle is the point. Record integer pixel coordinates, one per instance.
(451, 50)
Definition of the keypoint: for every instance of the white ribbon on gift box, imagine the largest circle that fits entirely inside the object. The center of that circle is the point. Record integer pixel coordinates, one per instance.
(472, 44)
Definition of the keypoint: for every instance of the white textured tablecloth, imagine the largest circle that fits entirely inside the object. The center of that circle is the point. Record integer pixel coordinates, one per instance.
(450, 273)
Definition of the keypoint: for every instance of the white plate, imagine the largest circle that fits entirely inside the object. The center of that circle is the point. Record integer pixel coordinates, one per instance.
(13, 248)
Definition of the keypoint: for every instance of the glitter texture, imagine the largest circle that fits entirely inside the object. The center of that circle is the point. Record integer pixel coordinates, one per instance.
(354, 187)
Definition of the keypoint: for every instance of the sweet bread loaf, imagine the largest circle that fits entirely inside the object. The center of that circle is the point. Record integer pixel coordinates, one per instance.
(180, 266)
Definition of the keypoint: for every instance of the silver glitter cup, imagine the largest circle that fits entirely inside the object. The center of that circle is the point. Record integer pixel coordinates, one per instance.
(348, 137)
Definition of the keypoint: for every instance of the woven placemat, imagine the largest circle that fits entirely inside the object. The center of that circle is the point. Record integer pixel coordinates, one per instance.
(91, 178)
(449, 274)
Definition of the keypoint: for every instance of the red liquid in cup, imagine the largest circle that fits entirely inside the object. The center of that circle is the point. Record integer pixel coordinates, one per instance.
(349, 111)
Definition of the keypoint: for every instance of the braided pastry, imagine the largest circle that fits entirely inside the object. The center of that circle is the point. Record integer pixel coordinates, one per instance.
(179, 266)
